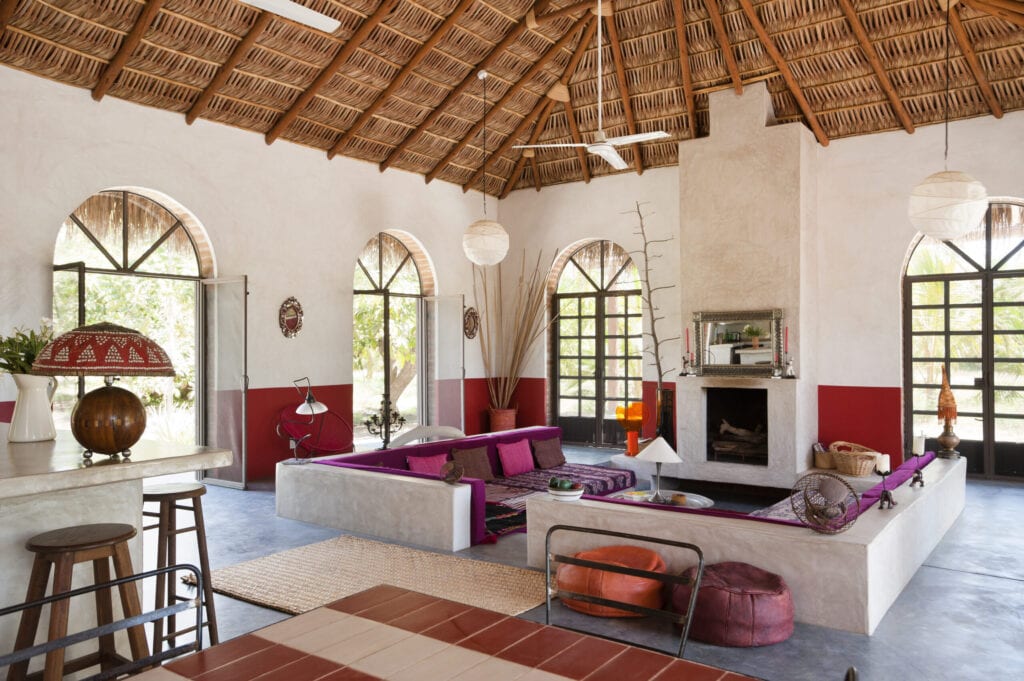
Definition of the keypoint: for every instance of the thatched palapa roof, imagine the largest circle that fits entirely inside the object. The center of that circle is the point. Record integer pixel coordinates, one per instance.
(396, 83)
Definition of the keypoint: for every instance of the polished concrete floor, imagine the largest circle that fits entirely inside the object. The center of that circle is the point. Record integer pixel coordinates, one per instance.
(959, 618)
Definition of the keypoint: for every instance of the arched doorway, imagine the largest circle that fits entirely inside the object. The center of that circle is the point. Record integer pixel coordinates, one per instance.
(963, 308)
(135, 257)
(597, 341)
(392, 278)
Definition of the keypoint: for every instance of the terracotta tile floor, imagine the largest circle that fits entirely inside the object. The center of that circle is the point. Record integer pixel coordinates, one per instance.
(354, 640)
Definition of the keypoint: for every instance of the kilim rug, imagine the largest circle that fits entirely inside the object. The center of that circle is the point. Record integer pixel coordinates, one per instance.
(502, 520)
(307, 577)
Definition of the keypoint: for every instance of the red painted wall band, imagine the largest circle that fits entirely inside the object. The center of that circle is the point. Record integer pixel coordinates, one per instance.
(872, 417)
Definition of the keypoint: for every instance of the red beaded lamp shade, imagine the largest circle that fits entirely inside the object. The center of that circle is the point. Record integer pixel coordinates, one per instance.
(108, 420)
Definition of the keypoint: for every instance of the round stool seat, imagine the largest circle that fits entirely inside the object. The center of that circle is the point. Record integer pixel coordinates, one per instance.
(738, 605)
(80, 537)
(624, 588)
(173, 491)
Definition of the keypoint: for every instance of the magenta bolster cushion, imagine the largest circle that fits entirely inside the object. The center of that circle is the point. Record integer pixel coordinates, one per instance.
(430, 465)
(515, 457)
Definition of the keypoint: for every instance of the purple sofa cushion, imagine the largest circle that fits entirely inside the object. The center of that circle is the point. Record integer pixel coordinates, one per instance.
(516, 457)
(427, 464)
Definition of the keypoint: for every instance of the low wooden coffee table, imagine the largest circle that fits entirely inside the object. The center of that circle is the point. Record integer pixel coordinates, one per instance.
(400, 635)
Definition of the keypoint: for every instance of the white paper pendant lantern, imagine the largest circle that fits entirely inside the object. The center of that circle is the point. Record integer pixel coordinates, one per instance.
(947, 205)
(485, 242)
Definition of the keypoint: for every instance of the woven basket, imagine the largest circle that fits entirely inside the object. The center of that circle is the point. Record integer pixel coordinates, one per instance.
(823, 459)
(853, 459)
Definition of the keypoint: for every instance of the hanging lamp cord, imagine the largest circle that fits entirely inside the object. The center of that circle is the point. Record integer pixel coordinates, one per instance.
(483, 77)
(945, 154)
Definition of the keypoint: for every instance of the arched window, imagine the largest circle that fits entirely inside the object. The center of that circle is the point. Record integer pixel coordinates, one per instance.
(598, 342)
(127, 258)
(963, 304)
(391, 279)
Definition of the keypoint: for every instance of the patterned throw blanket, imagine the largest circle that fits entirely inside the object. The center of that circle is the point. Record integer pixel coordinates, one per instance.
(596, 479)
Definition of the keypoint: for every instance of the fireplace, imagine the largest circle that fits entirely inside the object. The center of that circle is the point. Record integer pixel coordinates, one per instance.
(737, 425)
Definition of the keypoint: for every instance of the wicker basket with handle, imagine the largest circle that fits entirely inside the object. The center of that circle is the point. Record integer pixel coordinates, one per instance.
(853, 459)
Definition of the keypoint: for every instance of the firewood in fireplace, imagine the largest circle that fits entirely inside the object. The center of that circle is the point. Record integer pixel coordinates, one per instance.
(742, 433)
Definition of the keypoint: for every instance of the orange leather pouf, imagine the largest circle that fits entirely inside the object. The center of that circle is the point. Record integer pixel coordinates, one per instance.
(623, 588)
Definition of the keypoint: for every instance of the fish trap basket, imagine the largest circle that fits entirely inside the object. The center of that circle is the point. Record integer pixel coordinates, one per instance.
(853, 459)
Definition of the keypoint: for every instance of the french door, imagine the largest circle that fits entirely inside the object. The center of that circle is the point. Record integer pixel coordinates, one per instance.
(964, 309)
(598, 343)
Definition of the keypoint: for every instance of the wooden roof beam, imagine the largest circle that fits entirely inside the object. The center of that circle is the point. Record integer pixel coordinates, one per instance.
(527, 77)
(1006, 14)
(723, 41)
(517, 172)
(783, 67)
(237, 54)
(533, 21)
(399, 80)
(876, 63)
(6, 12)
(470, 78)
(128, 45)
(351, 45)
(620, 76)
(574, 130)
(972, 61)
(536, 171)
(684, 66)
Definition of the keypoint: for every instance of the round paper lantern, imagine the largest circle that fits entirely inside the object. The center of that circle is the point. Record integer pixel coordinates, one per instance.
(947, 205)
(485, 242)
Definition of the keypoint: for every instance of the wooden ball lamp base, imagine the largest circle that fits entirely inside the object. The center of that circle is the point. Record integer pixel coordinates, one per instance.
(108, 420)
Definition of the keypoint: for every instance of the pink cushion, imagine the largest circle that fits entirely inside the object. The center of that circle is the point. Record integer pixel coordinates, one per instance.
(430, 465)
(516, 457)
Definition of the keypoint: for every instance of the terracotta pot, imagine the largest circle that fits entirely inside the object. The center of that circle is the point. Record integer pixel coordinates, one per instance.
(502, 419)
(756, 342)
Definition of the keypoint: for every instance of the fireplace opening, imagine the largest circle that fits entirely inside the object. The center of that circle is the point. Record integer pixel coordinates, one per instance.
(738, 425)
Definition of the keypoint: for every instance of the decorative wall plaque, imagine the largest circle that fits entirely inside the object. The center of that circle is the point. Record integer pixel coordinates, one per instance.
(290, 317)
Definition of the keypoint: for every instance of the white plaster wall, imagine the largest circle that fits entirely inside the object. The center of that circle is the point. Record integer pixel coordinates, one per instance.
(284, 215)
(556, 217)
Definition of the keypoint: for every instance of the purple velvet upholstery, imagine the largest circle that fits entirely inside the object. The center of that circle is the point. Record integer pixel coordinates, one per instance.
(898, 477)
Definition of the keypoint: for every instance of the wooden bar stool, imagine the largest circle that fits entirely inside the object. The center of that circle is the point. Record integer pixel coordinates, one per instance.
(168, 497)
(64, 548)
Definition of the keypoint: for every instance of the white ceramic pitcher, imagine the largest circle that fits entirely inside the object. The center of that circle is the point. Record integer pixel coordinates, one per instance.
(33, 416)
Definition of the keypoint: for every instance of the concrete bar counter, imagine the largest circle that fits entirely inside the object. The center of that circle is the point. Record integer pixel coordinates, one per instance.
(47, 485)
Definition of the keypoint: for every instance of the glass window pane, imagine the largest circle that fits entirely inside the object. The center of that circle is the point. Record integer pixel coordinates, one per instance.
(928, 293)
(407, 280)
(636, 389)
(370, 260)
(569, 306)
(928, 346)
(568, 408)
(360, 281)
(588, 326)
(588, 408)
(1007, 230)
(928, 320)
(615, 389)
(588, 307)
(968, 400)
(568, 327)
(1009, 373)
(927, 372)
(568, 386)
(636, 346)
(614, 347)
(174, 256)
(588, 388)
(1009, 402)
(965, 347)
(636, 326)
(568, 367)
(1009, 430)
(1008, 318)
(934, 257)
(588, 348)
(963, 373)
(1008, 290)
(74, 246)
(974, 244)
(635, 367)
(926, 399)
(1008, 345)
(927, 424)
(965, 319)
(965, 292)
(568, 348)
(614, 326)
(572, 280)
(588, 367)
(968, 428)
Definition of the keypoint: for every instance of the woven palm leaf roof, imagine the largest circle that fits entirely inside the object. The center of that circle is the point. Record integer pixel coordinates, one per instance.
(397, 83)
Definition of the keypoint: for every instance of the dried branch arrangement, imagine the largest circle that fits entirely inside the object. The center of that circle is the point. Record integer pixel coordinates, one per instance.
(509, 327)
(648, 292)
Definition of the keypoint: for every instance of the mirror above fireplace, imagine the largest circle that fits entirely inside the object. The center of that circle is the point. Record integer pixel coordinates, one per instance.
(739, 343)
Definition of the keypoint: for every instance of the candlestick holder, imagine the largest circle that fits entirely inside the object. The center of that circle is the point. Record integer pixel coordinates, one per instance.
(790, 372)
(918, 478)
(886, 500)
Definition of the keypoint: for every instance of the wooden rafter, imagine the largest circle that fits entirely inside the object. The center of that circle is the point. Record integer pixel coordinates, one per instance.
(564, 12)
(527, 77)
(536, 172)
(620, 77)
(399, 80)
(783, 67)
(351, 45)
(684, 66)
(1013, 15)
(876, 63)
(723, 42)
(972, 61)
(470, 78)
(517, 172)
(225, 70)
(6, 12)
(574, 130)
(128, 45)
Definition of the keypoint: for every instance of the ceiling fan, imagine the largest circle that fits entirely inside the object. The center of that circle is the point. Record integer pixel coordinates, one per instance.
(297, 13)
(603, 145)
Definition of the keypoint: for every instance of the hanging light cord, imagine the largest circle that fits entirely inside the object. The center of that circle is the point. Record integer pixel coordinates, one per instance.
(945, 154)
(483, 77)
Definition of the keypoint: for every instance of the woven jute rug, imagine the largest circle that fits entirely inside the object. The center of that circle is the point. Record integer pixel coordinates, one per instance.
(307, 577)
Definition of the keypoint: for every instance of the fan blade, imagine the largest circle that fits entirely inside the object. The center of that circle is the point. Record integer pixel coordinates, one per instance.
(639, 137)
(297, 13)
(608, 153)
(546, 146)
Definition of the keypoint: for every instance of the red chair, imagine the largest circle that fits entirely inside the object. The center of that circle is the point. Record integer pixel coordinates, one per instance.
(315, 434)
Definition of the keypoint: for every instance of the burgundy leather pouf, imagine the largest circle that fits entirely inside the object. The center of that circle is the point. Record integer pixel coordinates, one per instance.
(738, 605)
